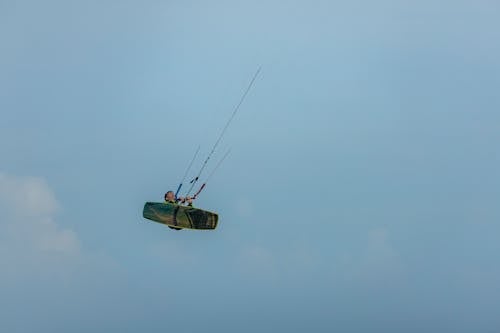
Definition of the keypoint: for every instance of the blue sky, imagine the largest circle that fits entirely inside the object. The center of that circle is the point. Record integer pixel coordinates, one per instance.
(361, 194)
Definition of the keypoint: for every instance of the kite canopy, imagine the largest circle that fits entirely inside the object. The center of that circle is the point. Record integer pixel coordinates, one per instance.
(178, 216)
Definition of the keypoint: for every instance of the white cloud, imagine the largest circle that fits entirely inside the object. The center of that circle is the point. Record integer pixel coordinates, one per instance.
(28, 208)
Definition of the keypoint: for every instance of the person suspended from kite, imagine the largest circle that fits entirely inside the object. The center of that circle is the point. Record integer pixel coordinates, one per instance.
(171, 199)
(178, 212)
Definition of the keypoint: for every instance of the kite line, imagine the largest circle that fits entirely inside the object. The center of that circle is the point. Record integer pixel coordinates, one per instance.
(195, 180)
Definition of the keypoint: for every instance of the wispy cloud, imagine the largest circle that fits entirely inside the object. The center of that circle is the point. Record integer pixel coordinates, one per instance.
(28, 209)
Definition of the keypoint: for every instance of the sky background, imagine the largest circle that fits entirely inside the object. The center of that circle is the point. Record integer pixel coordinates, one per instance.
(361, 195)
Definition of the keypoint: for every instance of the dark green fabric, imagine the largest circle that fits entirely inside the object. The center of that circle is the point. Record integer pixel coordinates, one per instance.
(179, 216)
